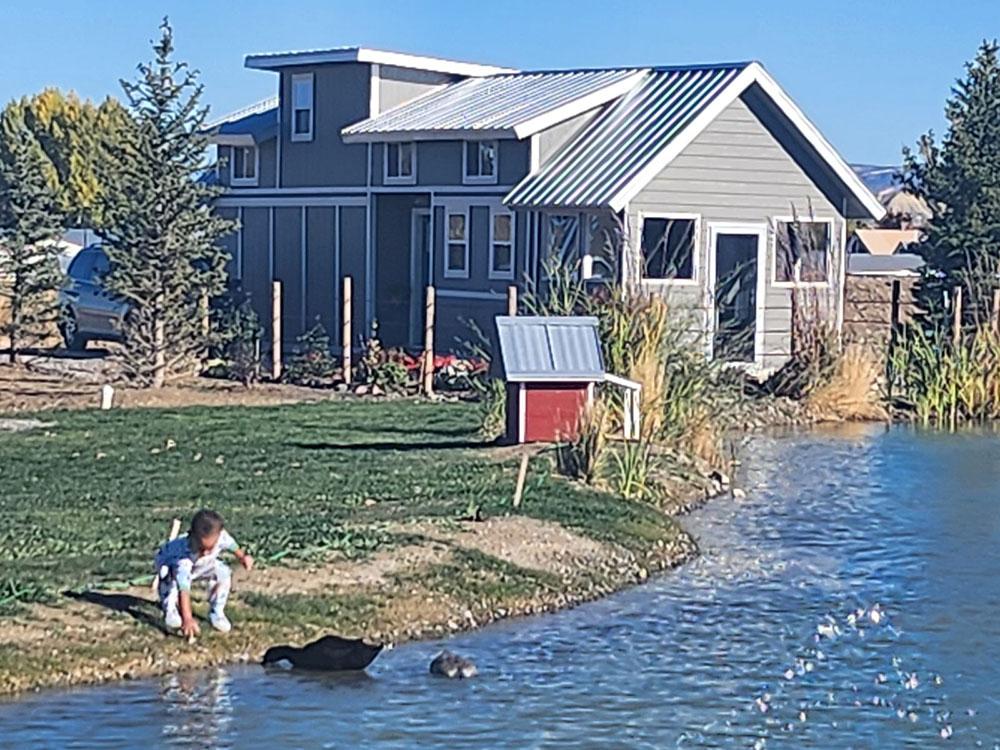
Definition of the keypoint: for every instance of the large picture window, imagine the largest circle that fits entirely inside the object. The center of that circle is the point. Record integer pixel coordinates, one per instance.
(456, 248)
(502, 246)
(802, 251)
(480, 162)
(302, 107)
(668, 248)
(400, 163)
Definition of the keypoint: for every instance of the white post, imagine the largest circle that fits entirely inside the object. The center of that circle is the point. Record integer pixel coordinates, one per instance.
(107, 396)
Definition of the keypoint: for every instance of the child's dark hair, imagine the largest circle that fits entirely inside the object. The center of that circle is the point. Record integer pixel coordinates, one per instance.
(205, 523)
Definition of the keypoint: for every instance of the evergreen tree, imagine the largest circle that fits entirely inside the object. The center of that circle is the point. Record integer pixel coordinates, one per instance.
(29, 231)
(160, 229)
(960, 180)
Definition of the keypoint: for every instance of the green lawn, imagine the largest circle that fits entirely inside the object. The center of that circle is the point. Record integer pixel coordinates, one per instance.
(88, 500)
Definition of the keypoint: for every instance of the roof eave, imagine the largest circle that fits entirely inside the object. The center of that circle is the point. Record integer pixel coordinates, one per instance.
(404, 136)
(275, 61)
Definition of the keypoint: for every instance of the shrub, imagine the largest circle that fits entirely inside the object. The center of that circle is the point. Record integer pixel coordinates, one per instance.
(235, 340)
(632, 475)
(382, 368)
(311, 364)
(852, 391)
(492, 407)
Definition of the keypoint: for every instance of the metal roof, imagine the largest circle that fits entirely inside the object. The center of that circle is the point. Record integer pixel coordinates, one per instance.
(615, 148)
(534, 348)
(275, 60)
(259, 122)
(520, 104)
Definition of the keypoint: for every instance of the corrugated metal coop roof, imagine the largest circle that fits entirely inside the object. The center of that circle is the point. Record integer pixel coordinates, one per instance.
(550, 348)
(498, 103)
(600, 163)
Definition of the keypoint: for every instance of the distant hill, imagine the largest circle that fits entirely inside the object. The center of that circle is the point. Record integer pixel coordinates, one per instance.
(878, 178)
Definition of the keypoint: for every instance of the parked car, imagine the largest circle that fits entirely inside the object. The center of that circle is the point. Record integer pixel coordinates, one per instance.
(86, 310)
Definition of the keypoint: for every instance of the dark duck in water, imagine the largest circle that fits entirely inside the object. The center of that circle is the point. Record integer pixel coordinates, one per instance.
(447, 664)
(329, 654)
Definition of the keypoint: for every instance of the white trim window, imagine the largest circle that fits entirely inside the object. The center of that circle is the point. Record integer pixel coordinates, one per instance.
(400, 163)
(501, 245)
(302, 107)
(244, 164)
(479, 162)
(669, 248)
(802, 251)
(456, 245)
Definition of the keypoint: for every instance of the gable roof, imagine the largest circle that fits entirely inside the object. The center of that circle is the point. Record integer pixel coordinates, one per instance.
(519, 104)
(275, 60)
(638, 136)
(601, 162)
(534, 348)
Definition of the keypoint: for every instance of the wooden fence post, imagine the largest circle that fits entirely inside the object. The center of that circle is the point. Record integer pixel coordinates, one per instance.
(522, 474)
(512, 300)
(276, 330)
(957, 313)
(346, 337)
(996, 311)
(428, 369)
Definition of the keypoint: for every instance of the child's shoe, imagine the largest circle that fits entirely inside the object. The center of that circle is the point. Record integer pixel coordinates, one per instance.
(219, 621)
(172, 618)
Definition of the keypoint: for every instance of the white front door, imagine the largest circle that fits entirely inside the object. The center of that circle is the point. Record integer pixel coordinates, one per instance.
(737, 264)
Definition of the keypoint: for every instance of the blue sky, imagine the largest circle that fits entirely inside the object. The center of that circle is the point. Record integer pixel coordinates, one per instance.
(872, 75)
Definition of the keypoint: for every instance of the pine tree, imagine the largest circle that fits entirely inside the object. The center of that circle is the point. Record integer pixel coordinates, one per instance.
(960, 180)
(29, 230)
(160, 230)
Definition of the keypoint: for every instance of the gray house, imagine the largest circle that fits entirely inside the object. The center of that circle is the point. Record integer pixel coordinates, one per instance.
(702, 183)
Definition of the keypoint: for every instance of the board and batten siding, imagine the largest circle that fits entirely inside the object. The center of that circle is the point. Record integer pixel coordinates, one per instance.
(736, 171)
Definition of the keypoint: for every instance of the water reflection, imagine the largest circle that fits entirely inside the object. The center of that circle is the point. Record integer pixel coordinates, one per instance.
(850, 601)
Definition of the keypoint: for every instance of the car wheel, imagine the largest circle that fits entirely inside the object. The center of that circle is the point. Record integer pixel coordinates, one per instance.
(75, 341)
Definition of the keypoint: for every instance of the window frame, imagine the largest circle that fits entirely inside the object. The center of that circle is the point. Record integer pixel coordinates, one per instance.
(302, 137)
(494, 274)
(410, 179)
(480, 179)
(446, 270)
(244, 181)
(796, 281)
(696, 273)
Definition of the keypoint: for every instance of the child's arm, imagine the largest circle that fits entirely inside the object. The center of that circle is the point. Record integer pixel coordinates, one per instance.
(228, 543)
(189, 627)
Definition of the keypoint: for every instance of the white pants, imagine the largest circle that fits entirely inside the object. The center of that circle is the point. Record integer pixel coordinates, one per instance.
(219, 580)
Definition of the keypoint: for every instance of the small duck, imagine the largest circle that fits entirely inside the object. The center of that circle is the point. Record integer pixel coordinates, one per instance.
(330, 653)
(447, 664)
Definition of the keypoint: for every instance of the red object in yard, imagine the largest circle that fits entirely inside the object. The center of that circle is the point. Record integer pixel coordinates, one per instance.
(551, 365)
(545, 412)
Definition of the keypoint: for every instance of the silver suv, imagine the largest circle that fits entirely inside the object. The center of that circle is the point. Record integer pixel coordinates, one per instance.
(86, 310)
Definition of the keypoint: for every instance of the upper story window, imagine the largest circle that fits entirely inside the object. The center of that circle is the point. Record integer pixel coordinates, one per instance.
(302, 107)
(456, 248)
(802, 252)
(502, 245)
(400, 163)
(243, 165)
(668, 248)
(480, 162)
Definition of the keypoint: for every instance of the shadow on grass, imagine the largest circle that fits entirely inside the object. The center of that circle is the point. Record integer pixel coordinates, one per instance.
(401, 447)
(140, 610)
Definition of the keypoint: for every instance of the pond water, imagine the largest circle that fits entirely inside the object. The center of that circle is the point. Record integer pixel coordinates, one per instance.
(761, 642)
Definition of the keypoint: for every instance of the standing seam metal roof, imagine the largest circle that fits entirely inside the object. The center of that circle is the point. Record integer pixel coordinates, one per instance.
(620, 142)
(492, 103)
(535, 348)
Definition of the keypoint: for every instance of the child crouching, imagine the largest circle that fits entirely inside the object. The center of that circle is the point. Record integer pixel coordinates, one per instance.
(195, 557)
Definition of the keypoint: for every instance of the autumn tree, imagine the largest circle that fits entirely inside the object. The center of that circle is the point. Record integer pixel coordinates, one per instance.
(160, 231)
